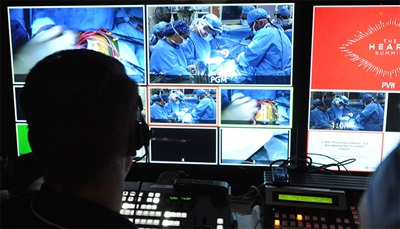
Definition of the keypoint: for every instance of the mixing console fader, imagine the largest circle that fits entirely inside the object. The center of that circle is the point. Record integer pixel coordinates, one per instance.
(152, 205)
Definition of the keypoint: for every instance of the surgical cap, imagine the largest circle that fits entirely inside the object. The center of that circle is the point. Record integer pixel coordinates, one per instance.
(366, 97)
(200, 92)
(256, 14)
(180, 95)
(155, 98)
(164, 97)
(213, 22)
(284, 11)
(159, 27)
(247, 9)
(180, 27)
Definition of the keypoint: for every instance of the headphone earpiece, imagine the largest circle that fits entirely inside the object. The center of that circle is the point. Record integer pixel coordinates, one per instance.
(142, 133)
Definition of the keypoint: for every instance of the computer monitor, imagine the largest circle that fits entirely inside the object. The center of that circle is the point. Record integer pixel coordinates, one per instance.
(354, 86)
(206, 124)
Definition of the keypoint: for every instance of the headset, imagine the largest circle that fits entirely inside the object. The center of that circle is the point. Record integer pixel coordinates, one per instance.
(142, 131)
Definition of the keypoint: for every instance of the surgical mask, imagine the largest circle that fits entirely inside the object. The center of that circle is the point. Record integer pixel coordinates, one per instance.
(245, 23)
(253, 28)
(341, 107)
(202, 31)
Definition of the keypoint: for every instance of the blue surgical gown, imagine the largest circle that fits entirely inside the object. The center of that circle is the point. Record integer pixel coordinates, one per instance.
(371, 117)
(205, 110)
(169, 59)
(320, 119)
(158, 112)
(269, 53)
(197, 49)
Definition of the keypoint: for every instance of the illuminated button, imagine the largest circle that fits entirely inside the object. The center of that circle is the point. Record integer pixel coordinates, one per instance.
(137, 221)
(156, 222)
(323, 219)
(300, 224)
(123, 198)
(220, 227)
(315, 218)
(346, 221)
(125, 193)
(130, 219)
(276, 215)
(145, 213)
(139, 199)
(151, 194)
(338, 220)
(220, 221)
(128, 206)
(167, 214)
(149, 200)
(291, 216)
(142, 221)
(156, 200)
(157, 194)
(332, 226)
(277, 223)
(141, 194)
(307, 217)
(158, 214)
(299, 217)
(324, 226)
(149, 222)
(184, 215)
(132, 193)
(130, 199)
(139, 212)
(308, 225)
(316, 225)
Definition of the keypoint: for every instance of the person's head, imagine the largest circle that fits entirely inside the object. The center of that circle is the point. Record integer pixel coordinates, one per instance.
(165, 98)
(200, 94)
(243, 16)
(257, 18)
(367, 99)
(208, 26)
(323, 104)
(159, 28)
(177, 32)
(159, 100)
(341, 101)
(81, 109)
(177, 96)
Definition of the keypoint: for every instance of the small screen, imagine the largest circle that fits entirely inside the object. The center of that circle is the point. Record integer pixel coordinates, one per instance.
(304, 198)
(354, 86)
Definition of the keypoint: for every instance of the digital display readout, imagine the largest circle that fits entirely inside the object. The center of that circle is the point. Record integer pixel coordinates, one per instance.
(303, 198)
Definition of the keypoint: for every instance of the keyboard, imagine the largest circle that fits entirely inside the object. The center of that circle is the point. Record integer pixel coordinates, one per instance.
(151, 205)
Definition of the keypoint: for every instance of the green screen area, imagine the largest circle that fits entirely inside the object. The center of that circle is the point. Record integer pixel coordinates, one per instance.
(308, 199)
(22, 139)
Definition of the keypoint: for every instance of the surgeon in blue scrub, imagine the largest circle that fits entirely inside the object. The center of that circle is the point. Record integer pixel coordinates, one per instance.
(338, 111)
(319, 118)
(167, 56)
(158, 111)
(199, 50)
(205, 111)
(371, 118)
(269, 54)
(243, 16)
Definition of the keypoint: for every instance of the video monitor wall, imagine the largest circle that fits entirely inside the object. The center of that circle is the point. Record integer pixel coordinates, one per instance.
(355, 86)
(215, 92)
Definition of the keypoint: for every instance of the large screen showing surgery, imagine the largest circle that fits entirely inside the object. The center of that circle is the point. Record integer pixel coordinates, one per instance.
(216, 80)
(355, 86)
